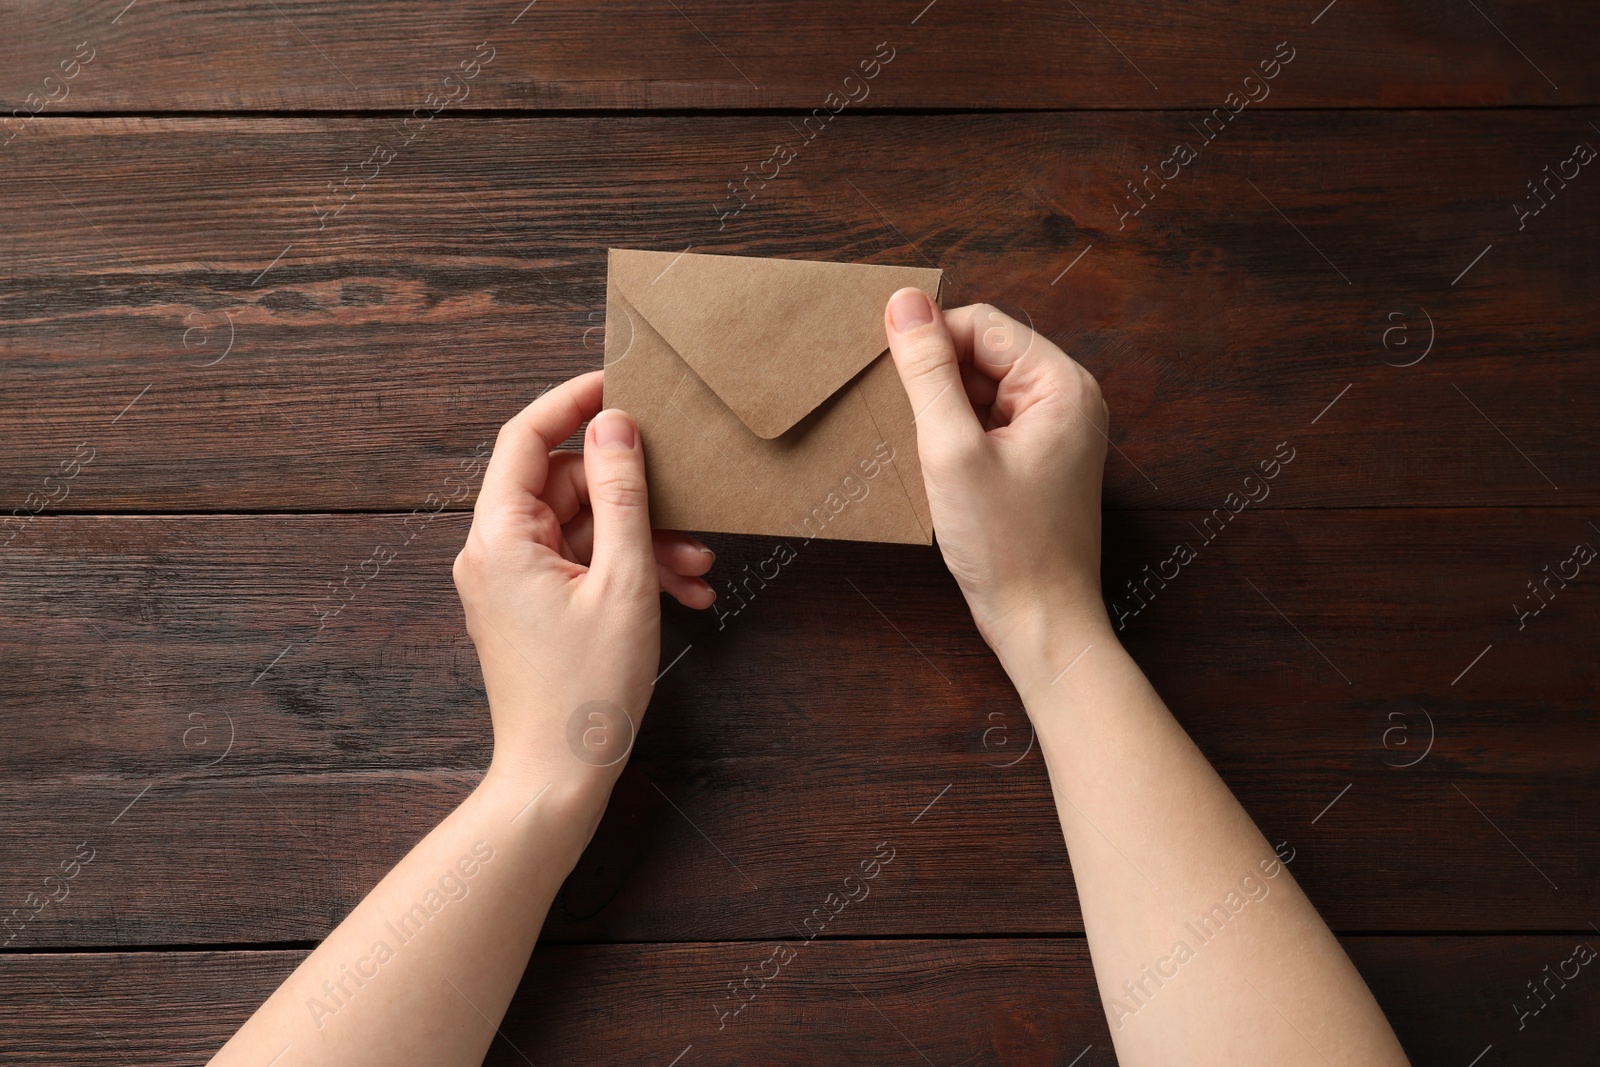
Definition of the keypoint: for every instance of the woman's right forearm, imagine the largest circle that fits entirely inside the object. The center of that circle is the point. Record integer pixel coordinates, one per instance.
(1205, 949)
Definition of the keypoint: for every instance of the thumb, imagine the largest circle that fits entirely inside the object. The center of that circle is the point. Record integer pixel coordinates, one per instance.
(613, 468)
(925, 355)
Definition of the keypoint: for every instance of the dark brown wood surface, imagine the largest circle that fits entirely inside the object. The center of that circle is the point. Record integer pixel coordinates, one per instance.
(798, 731)
(369, 357)
(219, 395)
(1002, 1002)
(294, 54)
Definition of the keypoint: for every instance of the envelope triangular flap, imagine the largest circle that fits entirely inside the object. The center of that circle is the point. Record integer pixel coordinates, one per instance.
(773, 338)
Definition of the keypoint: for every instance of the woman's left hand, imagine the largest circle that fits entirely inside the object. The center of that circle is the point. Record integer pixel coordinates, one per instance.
(559, 580)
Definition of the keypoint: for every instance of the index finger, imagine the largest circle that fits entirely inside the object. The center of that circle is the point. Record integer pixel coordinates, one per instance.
(521, 459)
(990, 339)
(1027, 366)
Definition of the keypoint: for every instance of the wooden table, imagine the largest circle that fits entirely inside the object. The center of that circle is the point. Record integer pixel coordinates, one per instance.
(273, 271)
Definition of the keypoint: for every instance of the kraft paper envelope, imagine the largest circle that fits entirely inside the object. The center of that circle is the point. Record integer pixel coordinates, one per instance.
(765, 394)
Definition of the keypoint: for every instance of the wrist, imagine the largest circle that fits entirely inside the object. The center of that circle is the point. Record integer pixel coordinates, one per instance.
(1051, 638)
(563, 802)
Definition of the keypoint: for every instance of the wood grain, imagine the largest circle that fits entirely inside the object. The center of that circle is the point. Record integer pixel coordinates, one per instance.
(299, 55)
(797, 733)
(260, 313)
(368, 358)
(1025, 1001)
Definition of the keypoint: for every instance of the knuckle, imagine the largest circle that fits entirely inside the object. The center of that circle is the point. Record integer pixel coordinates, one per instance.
(508, 430)
(504, 438)
(478, 553)
(1073, 379)
(620, 486)
(519, 431)
(987, 313)
(1089, 387)
(927, 354)
(1085, 395)
(465, 569)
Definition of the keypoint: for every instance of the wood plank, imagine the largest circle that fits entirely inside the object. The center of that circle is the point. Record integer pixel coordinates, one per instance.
(133, 648)
(186, 327)
(733, 53)
(369, 358)
(1026, 1001)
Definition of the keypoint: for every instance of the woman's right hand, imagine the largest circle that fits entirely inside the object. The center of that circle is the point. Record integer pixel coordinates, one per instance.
(1011, 436)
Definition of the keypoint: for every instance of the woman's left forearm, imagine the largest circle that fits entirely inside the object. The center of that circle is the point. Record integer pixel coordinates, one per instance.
(560, 581)
(423, 968)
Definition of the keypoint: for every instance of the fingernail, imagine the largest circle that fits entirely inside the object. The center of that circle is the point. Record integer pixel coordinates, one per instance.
(706, 550)
(908, 309)
(613, 429)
